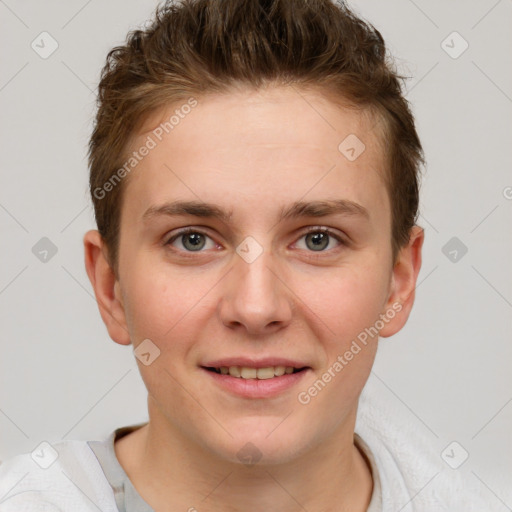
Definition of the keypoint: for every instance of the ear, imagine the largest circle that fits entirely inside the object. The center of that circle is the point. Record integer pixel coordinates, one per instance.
(403, 284)
(106, 287)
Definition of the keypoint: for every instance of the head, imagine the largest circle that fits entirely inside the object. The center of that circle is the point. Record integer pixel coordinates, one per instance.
(266, 120)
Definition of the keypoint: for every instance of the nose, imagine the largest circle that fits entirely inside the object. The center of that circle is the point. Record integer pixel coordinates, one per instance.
(255, 297)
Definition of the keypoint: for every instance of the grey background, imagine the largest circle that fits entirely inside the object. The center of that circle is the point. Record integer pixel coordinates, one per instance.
(62, 376)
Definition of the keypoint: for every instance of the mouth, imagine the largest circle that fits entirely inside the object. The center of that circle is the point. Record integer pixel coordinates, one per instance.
(256, 379)
(248, 372)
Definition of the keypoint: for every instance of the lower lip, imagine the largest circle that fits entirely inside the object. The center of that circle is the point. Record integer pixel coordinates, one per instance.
(257, 388)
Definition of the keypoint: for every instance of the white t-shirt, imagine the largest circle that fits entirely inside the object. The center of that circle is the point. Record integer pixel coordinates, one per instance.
(409, 473)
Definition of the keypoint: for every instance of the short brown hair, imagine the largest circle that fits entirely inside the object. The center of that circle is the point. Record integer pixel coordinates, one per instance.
(195, 47)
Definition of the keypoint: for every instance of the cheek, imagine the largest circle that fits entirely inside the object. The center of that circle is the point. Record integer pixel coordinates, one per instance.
(349, 307)
(161, 300)
(347, 301)
(164, 307)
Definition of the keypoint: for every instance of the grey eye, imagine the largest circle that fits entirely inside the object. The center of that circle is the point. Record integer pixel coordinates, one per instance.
(193, 241)
(318, 241)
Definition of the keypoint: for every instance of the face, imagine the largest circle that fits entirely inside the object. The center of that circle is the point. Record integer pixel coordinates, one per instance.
(286, 261)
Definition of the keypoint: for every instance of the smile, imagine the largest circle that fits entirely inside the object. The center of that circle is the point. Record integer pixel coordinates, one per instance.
(250, 383)
(246, 372)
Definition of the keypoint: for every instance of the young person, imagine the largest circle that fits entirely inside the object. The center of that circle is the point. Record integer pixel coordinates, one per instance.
(254, 172)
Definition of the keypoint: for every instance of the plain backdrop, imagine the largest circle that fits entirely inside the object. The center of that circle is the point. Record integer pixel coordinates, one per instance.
(62, 377)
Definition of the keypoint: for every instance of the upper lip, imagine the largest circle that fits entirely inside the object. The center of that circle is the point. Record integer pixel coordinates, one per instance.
(254, 363)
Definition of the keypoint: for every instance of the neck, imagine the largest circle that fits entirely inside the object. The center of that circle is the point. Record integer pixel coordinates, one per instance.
(168, 468)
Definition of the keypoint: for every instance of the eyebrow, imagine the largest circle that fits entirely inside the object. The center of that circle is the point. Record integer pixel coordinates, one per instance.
(297, 209)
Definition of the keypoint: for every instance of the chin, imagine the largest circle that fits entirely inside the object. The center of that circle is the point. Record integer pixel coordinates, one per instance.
(263, 446)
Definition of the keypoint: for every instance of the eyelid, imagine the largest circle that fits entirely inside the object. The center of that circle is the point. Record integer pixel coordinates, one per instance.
(342, 240)
(185, 231)
(323, 229)
(303, 232)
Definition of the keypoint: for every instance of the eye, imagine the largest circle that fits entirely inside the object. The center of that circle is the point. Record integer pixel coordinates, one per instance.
(191, 239)
(318, 239)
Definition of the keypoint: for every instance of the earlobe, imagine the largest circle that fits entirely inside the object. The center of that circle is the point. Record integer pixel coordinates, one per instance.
(403, 284)
(106, 287)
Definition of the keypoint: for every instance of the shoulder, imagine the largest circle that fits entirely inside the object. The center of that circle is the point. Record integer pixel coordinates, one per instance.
(62, 476)
(408, 457)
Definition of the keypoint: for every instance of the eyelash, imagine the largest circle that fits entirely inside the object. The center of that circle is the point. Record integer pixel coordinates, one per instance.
(313, 229)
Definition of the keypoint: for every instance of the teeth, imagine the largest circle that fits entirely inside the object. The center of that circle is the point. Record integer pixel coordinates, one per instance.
(279, 370)
(248, 373)
(245, 372)
(234, 371)
(265, 373)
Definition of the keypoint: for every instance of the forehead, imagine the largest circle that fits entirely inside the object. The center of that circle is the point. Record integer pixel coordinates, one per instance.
(276, 144)
(275, 116)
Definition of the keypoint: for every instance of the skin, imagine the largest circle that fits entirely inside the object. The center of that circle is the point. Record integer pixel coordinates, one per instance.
(253, 153)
